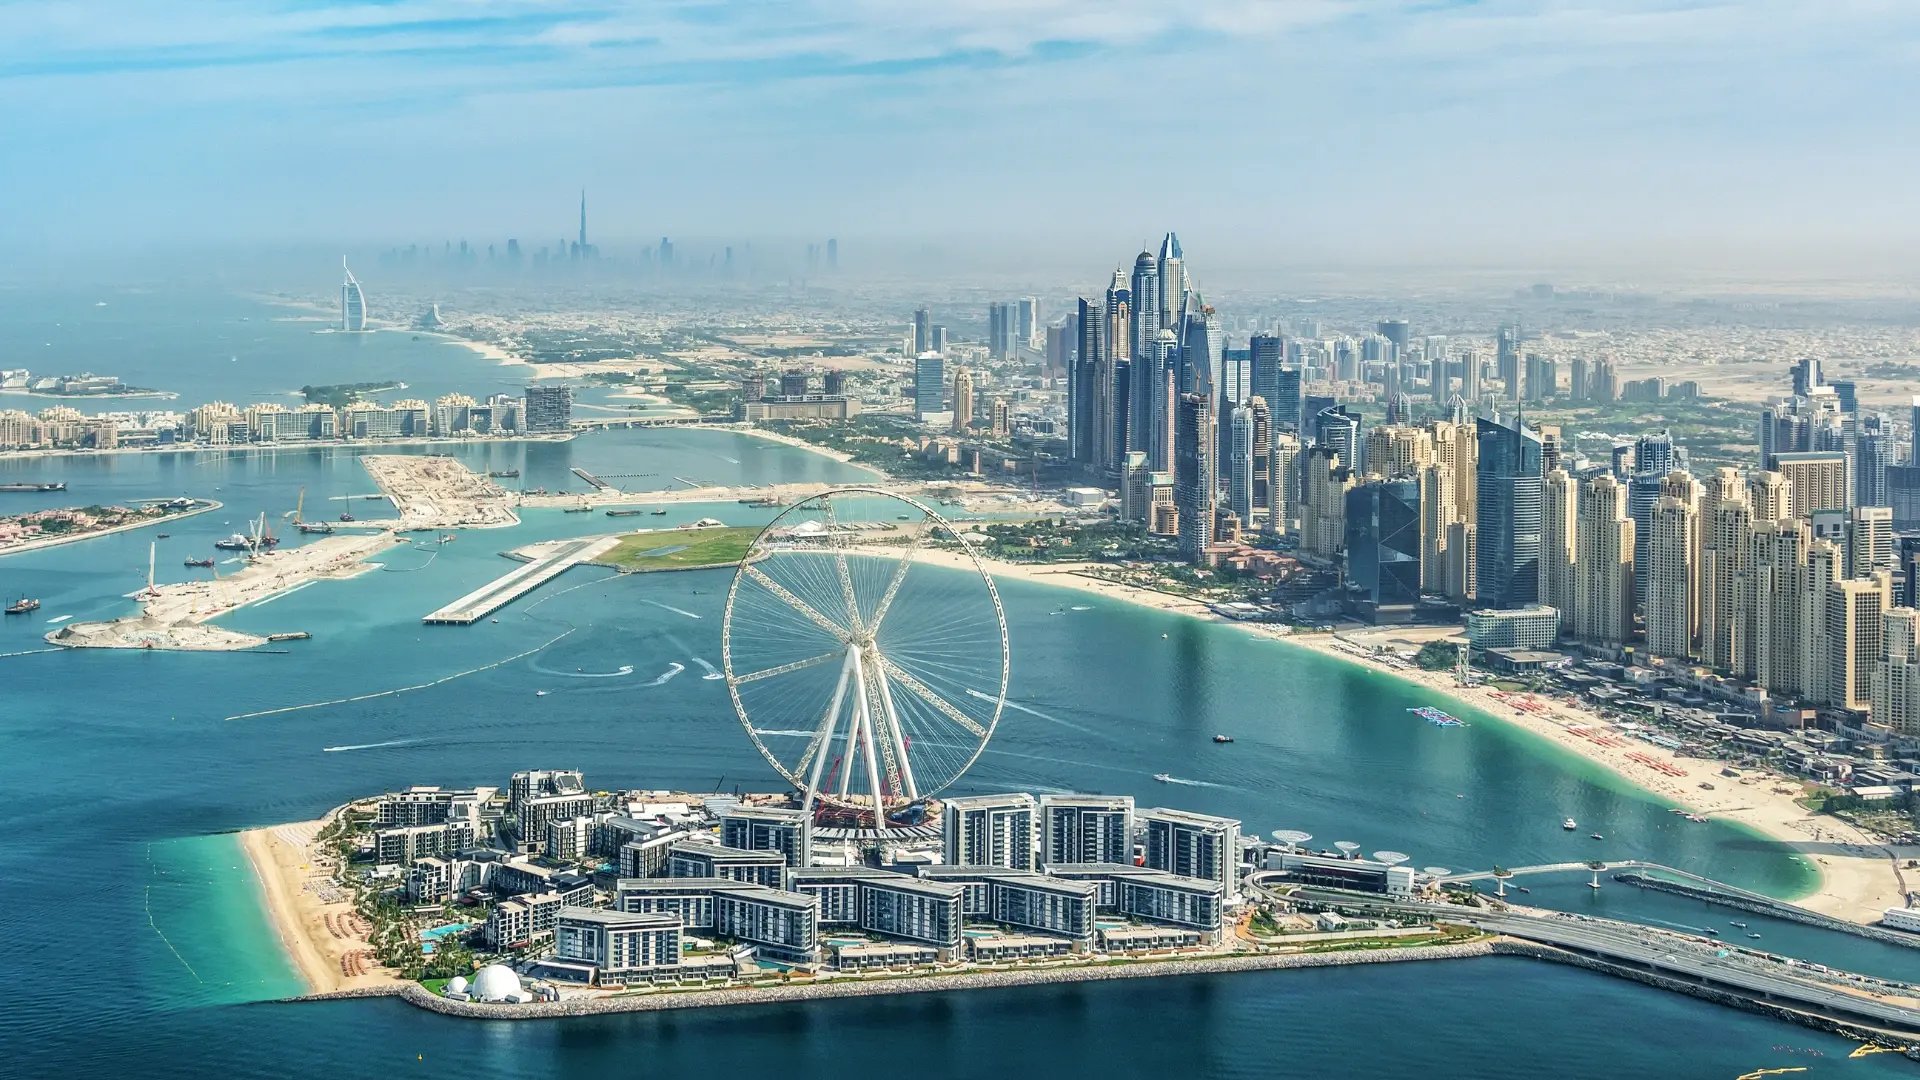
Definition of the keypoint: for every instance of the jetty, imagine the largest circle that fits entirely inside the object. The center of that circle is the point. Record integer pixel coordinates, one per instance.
(521, 580)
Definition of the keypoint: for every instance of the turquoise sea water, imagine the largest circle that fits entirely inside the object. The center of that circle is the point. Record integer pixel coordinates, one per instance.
(134, 939)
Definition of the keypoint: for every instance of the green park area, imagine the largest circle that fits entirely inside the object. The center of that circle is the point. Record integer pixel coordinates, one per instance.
(679, 549)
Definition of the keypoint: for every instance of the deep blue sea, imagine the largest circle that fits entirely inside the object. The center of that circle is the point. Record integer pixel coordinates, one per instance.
(132, 941)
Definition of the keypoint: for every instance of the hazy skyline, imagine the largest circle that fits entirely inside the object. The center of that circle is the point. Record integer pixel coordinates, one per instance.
(1760, 132)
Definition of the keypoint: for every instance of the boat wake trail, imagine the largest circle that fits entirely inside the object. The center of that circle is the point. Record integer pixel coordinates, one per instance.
(1030, 711)
(367, 746)
(58, 619)
(619, 672)
(26, 652)
(710, 672)
(675, 610)
(672, 670)
(403, 689)
(1184, 782)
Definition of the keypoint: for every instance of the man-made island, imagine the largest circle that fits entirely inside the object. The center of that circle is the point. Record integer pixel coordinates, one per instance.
(37, 529)
(549, 898)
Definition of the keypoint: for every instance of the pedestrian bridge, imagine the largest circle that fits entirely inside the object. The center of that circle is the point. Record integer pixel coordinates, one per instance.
(1607, 866)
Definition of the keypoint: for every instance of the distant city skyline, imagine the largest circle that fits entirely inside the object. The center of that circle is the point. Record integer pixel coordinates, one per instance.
(1751, 134)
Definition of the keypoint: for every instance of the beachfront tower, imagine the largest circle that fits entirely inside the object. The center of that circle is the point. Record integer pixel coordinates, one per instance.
(353, 302)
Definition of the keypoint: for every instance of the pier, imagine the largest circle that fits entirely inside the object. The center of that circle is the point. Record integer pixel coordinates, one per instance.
(519, 581)
(592, 479)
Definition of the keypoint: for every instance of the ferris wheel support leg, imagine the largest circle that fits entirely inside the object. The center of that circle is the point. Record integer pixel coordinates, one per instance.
(865, 721)
(894, 735)
(824, 739)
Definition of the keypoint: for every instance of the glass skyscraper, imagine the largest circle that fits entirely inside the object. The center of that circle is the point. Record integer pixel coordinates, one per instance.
(1510, 513)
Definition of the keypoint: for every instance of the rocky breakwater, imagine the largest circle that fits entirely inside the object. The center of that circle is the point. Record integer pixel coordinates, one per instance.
(920, 984)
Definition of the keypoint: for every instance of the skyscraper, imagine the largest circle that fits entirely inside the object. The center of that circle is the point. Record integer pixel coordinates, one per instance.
(1559, 531)
(1172, 267)
(1672, 573)
(1083, 391)
(962, 400)
(584, 246)
(1338, 430)
(353, 302)
(1603, 564)
(1383, 549)
(1855, 620)
(1194, 483)
(1031, 331)
(1194, 845)
(1396, 331)
(929, 386)
(1001, 327)
(1816, 480)
(1896, 678)
(1240, 459)
(1726, 575)
(549, 407)
(922, 331)
(1508, 517)
(1145, 291)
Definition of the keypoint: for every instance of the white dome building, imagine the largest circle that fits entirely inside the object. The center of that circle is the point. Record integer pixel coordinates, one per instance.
(497, 982)
(457, 986)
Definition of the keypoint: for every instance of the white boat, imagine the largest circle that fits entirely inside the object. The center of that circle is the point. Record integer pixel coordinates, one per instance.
(1569, 824)
(539, 693)
(1165, 778)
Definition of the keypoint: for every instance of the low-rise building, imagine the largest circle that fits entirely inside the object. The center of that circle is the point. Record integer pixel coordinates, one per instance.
(1536, 627)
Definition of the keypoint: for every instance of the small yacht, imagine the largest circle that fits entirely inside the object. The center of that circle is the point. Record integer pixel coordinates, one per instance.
(539, 693)
(1597, 836)
(1569, 824)
(1740, 925)
(1223, 738)
(1165, 778)
(1755, 937)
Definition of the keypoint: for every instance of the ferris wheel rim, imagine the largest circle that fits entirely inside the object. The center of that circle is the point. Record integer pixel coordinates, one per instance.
(934, 520)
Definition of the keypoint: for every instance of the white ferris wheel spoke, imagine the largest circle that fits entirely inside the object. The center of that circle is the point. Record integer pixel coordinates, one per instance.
(880, 712)
(840, 568)
(899, 575)
(835, 629)
(895, 741)
(797, 665)
(926, 694)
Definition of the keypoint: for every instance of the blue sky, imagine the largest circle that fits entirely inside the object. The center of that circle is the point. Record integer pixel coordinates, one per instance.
(1424, 130)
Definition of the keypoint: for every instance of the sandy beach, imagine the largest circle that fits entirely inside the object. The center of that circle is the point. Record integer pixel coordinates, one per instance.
(800, 444)
(315, 922)
(1858, 877)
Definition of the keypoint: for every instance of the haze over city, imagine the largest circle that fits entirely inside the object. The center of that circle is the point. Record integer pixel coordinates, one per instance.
(1643, 137)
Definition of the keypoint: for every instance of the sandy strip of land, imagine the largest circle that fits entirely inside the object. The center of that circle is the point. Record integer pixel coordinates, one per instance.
(308, 915)
(1858, 880)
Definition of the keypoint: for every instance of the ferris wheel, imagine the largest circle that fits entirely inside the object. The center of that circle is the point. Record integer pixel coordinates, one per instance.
(869, 677)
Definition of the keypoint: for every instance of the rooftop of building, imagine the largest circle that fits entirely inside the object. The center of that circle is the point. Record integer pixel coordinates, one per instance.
(1188, 817)
(627, 920)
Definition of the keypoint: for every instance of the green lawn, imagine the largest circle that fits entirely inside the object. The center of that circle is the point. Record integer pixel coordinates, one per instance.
(679, 549)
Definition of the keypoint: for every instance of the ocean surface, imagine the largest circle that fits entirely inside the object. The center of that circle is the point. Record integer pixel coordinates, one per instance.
(134, 941)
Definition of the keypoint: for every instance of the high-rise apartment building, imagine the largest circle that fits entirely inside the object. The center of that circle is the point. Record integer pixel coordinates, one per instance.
(1086, 829)
(1603, 564)
(1083, 391)
(548, 407)
(1816, 480)
(1241, 454)
(1193, 475)
(1193, 845)
(989, 830)
(1855, 621)
(1672, 573)
(1896, 676)
(1559, 532)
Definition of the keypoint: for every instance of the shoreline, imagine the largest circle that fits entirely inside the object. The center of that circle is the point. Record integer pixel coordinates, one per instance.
(302, 920)
(1856, 883)
(840, 456)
